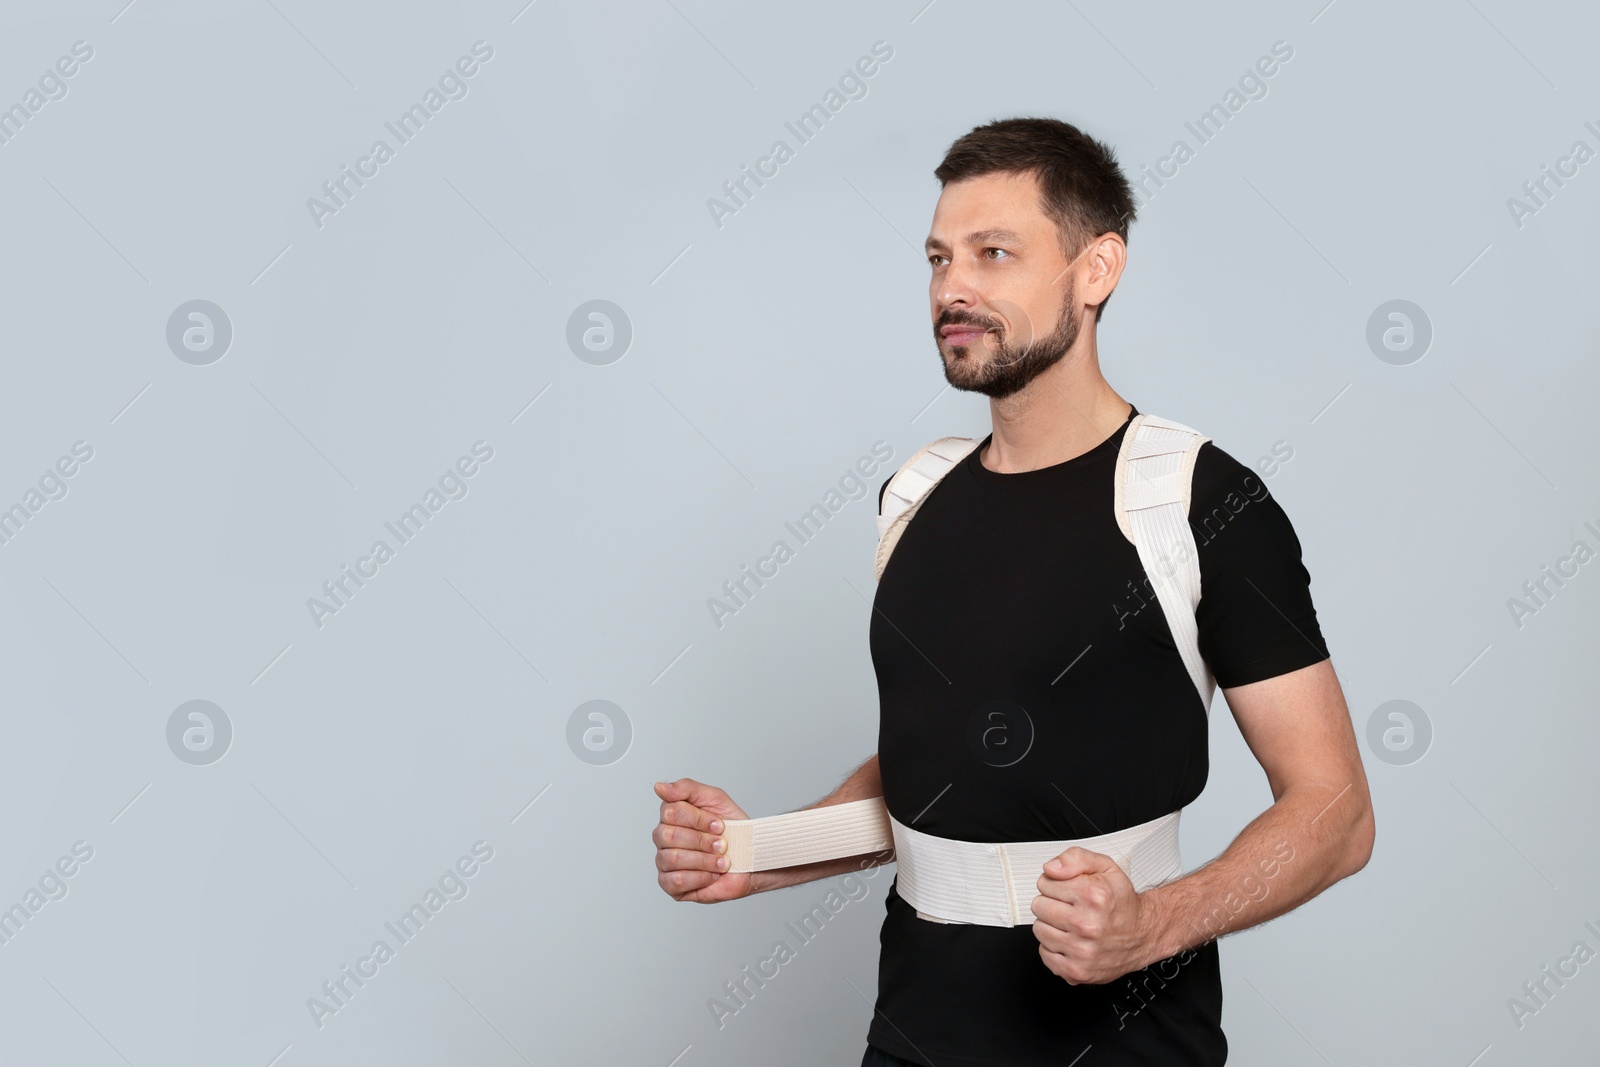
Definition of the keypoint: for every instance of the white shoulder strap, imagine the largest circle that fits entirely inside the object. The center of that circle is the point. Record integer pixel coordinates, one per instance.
(910, 485)
(1155, 468)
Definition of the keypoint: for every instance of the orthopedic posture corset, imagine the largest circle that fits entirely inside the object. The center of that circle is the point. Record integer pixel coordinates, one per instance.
(993, 884)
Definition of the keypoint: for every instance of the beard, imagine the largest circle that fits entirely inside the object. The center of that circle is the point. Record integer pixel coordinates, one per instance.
(1014, 363)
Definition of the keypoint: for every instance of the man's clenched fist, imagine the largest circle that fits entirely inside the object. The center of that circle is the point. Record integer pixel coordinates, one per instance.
(1090, 922)
(691, 857)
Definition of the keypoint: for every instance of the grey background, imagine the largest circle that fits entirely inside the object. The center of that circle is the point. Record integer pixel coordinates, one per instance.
(767, 356)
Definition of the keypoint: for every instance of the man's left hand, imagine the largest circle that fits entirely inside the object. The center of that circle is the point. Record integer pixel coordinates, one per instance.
(1090, 922)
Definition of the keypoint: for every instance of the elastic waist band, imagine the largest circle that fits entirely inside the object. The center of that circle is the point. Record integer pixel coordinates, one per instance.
(946, 880)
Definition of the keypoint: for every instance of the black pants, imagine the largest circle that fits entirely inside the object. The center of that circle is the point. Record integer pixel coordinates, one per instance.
(876, 1057)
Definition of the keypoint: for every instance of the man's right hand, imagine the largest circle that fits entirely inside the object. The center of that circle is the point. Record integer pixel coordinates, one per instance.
(691, 857)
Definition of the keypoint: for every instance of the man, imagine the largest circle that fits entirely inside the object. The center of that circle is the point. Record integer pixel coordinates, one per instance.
(1014, 603)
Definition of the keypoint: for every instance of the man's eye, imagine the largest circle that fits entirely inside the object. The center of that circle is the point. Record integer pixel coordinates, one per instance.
(987, 250)
(934, 260)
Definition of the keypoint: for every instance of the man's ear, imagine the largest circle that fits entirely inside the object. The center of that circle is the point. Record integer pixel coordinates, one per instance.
(1107, 258)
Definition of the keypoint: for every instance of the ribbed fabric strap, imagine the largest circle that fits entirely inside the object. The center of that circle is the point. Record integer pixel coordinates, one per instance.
(945, 880)
(910, 485)
(1155, 467)
(797, 837)
(994, 884)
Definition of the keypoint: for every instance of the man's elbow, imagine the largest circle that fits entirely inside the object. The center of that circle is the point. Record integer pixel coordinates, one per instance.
(1359, 843)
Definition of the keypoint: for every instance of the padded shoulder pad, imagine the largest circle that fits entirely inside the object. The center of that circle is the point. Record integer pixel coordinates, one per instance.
(1155, 466)
(910, 485)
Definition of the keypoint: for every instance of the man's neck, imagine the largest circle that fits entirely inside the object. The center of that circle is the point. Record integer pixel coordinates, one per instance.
(1061, 414)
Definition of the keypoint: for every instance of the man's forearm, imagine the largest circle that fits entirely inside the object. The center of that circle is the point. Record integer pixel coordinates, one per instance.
(1312, 837)
(864, 783)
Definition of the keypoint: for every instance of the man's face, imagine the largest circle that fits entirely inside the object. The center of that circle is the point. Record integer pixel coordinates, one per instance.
(1001, 293)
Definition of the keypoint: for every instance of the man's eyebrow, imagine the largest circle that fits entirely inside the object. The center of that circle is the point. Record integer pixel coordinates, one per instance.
(977, 237)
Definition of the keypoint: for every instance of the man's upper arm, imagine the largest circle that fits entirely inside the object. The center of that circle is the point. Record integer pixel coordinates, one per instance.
(1259, 630)
(1256, 619)
(1298, 727)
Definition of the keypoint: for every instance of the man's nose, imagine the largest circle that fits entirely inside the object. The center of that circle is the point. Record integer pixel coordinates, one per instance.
(955, 290)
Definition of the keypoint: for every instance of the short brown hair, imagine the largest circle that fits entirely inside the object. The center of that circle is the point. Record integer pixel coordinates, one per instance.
(1082, 188)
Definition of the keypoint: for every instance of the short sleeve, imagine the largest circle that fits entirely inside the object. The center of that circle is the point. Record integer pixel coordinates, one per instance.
(1256, 618)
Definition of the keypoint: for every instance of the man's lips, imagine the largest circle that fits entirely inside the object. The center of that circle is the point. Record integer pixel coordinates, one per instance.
(961, 335)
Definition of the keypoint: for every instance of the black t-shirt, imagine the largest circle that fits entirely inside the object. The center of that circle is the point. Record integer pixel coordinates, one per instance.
(1030, 689)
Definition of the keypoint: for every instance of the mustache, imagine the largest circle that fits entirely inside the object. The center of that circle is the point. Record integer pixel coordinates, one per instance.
(964, 319)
